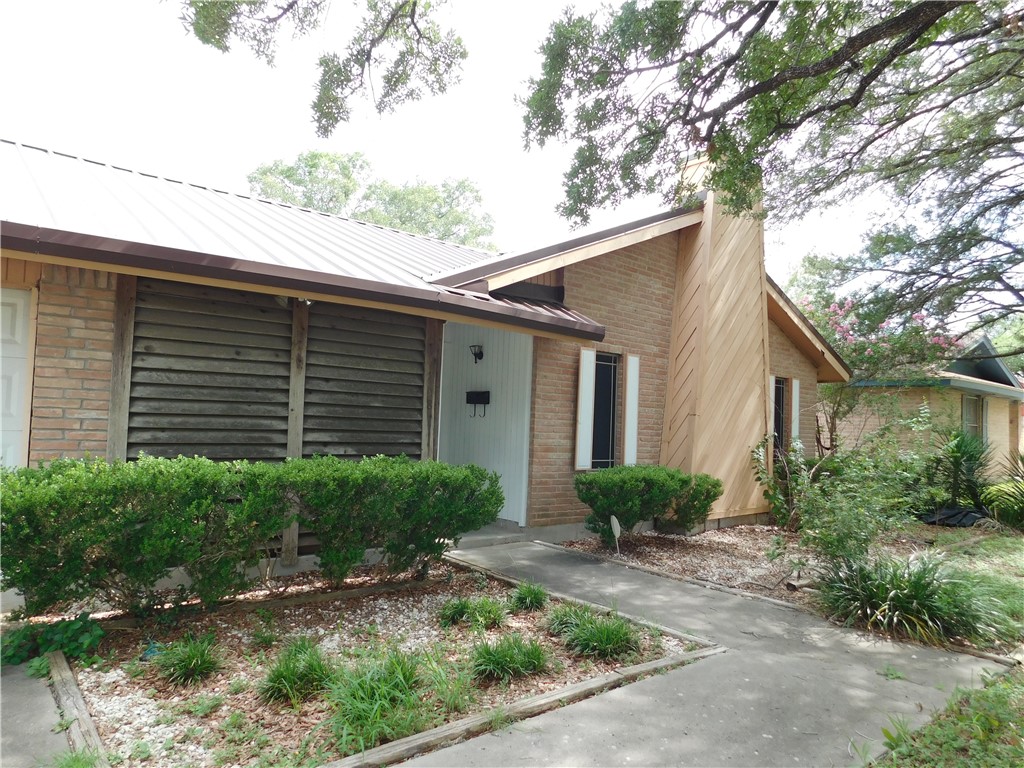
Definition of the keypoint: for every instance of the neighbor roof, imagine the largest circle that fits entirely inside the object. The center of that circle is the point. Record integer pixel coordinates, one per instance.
(61, 205)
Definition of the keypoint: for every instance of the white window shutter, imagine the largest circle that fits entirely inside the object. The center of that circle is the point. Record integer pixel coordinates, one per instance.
(585, 409)
(631, 421)
(795, 426)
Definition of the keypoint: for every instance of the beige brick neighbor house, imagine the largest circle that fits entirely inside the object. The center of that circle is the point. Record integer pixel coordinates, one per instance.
(147, 315)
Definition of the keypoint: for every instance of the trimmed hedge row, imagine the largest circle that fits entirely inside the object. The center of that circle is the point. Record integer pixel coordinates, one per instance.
(75, 529)
(635, 494)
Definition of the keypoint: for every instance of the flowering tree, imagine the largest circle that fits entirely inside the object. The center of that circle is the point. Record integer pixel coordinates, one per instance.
(891, 351)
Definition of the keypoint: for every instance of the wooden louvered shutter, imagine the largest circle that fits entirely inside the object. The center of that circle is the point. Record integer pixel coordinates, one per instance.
(364, 382)
(210, 373)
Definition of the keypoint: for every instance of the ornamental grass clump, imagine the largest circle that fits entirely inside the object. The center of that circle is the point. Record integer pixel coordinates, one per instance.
(606, 637)
(509, 656)
(300, 671)
(479, 612)
(565, 617)
(528, 598)
(190, 660)
(921, 599)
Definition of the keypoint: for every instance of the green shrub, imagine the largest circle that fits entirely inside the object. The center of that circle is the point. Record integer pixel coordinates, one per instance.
(189, 660)
(921, 599)
(635, 494)
(509, 656)
(607, 637)
(300, 671)
(76, 638)
(1006, 499)
(565, 617)
(528, 597)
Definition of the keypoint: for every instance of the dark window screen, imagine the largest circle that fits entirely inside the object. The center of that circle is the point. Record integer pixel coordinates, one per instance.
(780, 416)
(606, 376)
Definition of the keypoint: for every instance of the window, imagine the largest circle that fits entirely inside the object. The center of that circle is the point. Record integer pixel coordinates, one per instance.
(779, 414)
(972, 412)
(605, 417)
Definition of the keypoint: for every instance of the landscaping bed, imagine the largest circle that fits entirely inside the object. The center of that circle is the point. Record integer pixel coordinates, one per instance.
(228, 719)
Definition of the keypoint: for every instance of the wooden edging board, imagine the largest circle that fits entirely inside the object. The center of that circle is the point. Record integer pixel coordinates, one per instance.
(535, 705)
(82, 731)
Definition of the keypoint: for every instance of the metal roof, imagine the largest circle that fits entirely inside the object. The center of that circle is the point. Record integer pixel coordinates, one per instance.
(63, 205)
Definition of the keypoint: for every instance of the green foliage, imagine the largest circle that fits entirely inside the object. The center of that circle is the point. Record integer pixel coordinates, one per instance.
(528, 597)
(377, 700)
(398, 44)
(921, 599)
(961, 466)
(342, 184)
(300, 671)
(565, 617)
(509, 656)
(606, 637)
(204, 705)
(80, 529)
(190, 660)
(76, 760)
(480, 612)
(979, 727)
(1006, 499)
(638, 493)
(76, 638)
(38, 667)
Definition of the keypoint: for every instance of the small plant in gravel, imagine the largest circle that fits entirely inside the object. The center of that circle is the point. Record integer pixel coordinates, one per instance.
(451, 684)
(528, 597)
(204, 705)
(189, 660)
(509, 656)
(265, 635)
(141, 751)
(564, 617)
(76, 760)
(606, 637)
(480, 612)
(300, 671)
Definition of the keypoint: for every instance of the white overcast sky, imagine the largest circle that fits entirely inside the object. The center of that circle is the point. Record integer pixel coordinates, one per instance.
(122, 82)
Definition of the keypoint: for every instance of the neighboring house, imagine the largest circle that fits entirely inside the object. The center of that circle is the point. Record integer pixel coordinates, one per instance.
(147, 315)
(976, 392)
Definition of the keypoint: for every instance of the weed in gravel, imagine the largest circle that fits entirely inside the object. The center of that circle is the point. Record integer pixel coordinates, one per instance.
(141, 751)
(300, 671)
(606, 637)
(507, 657)
(204, 705)
(450, 682)
(265, 635)
(189, 660)
(76, 760)
(528, 597)
(133, 669)
(192, 733)
(377, 700)
(238, 685)
(564, 617)
(891, 673)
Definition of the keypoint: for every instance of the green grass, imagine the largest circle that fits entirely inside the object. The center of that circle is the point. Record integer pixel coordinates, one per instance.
(479, 612)
(75, 760)
(978, 728)
(203, 705)
(189, 660)
(606, 637)
(564, 617)
(507, 657)
(528, 598)
(300, 671)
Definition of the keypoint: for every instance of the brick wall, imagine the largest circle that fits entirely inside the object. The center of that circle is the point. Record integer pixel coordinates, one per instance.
(71, 386)
(786, 361)
(630, 292)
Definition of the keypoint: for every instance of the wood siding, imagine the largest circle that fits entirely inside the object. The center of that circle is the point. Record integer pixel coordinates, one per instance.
(364, 382)
(717, 401)
(210, 373)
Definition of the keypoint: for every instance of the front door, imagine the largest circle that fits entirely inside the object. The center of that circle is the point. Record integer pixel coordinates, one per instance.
(15, 348)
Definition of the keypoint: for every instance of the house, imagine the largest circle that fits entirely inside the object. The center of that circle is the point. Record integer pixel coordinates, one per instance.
(143, 314)
(975, 392)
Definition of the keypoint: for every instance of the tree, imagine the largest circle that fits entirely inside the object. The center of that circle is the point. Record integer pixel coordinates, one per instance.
(342, 184)
(398, 39)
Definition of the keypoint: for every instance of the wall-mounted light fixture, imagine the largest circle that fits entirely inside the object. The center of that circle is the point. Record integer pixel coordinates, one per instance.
(478, 352)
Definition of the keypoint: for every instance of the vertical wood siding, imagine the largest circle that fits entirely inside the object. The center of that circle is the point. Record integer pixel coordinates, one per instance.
(210, 373)
(364, 382)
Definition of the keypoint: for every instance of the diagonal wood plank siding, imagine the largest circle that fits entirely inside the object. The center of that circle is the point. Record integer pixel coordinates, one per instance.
(209, 375)
(364, 382)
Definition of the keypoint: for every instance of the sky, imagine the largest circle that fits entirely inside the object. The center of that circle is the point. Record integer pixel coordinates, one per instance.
(122, 82)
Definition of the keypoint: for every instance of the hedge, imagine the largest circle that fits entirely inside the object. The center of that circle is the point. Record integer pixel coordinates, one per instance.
(79, 529)
(635, 494)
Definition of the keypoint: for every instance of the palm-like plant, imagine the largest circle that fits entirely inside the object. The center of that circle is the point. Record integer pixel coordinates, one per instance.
(961, 466)
(1006, 499)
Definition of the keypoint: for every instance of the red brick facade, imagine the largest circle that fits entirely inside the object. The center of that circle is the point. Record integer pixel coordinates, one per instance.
(71, 381)
(631, 293)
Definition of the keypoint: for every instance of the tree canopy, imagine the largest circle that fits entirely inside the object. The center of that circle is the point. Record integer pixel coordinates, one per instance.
(342, 184)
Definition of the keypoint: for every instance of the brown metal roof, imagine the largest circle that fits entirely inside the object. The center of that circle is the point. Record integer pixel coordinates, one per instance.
(62, 205)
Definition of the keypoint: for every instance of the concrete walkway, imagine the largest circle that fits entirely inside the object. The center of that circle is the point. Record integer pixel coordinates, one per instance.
(28, 717)
(791, 690)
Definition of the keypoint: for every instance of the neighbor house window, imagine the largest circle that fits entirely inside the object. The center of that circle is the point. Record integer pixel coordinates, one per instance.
(973, 411)
(601, 426)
